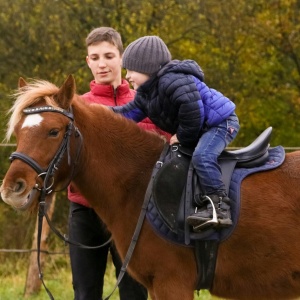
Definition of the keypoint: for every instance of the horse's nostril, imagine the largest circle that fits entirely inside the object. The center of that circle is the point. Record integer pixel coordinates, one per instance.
(19, 187)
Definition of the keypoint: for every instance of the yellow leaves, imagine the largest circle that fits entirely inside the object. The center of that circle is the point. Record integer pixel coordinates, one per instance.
(249, 50)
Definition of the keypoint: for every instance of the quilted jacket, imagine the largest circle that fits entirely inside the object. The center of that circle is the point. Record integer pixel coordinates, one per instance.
(178, 101)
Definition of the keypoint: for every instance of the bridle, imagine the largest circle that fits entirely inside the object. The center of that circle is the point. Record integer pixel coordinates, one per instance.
(48, 176)
(48, 173)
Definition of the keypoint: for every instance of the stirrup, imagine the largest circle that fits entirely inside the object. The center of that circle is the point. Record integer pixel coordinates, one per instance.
(212, 222)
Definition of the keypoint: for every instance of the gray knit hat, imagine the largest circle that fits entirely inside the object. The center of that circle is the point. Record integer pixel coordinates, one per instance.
(146, 55)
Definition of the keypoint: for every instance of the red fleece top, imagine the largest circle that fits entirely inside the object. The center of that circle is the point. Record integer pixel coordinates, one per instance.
(107, 95)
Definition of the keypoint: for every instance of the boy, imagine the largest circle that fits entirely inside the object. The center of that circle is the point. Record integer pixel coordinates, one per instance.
(104, 58)
(173, 95)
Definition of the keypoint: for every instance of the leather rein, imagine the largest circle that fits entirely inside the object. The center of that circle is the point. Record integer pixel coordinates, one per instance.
(48, 177)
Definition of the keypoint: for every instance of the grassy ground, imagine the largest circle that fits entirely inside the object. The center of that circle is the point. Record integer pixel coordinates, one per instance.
(57, 277)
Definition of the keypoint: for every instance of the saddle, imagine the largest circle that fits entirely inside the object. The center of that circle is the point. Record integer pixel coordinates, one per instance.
(176, 183)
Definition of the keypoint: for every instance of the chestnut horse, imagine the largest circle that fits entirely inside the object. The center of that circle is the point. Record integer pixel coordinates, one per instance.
(260, 260)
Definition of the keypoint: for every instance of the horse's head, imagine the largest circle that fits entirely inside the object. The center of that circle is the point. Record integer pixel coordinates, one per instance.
(42, 122)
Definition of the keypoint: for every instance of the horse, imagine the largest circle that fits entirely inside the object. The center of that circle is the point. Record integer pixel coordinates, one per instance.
(110, 160)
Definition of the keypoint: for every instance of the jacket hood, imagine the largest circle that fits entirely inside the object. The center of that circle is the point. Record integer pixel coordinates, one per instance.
(189, 67)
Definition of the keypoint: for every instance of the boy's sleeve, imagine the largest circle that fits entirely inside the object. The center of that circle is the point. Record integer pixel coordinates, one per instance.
(130, 111)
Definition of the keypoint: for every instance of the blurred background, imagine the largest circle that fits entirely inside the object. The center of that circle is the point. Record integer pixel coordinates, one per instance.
(249, 50)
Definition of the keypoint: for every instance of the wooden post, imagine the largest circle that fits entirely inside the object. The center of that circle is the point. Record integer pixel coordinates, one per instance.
(33, 282)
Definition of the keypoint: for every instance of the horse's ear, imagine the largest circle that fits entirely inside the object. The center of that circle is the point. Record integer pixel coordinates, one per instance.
(21, 82)
(66, 93)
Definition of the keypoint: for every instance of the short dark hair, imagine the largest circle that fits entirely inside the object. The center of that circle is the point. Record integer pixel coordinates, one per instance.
(105, 34)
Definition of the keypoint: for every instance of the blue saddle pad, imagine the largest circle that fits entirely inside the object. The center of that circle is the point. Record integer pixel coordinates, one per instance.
(276, 158)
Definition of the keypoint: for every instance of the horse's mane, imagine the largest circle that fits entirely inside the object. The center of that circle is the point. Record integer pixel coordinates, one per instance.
(28, 95)
(38, 90)
(105, 120)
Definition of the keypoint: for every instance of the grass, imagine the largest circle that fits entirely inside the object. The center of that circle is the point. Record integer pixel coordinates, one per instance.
(57, 277)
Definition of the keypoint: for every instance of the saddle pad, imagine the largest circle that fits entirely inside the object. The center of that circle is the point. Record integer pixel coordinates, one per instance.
(276, 158)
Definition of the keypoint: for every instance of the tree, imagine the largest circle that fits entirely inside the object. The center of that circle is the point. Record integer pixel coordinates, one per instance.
(249, 50)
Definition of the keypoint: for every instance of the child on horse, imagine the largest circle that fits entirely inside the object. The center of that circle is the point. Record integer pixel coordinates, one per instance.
(173, 95)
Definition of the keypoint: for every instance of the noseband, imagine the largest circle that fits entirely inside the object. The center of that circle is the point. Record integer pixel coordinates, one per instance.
(48, 173)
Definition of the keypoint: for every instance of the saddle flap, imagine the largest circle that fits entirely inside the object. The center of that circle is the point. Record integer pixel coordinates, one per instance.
(168, 187)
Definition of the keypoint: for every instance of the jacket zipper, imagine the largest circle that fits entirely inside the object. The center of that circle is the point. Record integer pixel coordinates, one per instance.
(115, 96)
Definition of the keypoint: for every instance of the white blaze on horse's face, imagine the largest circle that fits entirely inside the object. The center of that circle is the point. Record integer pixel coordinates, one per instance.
(14, 195)
(32, 120)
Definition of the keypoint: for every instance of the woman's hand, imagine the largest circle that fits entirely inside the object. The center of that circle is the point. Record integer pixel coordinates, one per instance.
(173, 139)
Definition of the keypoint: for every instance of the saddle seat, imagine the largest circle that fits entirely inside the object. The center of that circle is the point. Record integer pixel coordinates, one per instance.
(251, 156)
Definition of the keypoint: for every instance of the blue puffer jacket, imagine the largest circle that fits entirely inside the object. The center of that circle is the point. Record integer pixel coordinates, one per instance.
(178, 101)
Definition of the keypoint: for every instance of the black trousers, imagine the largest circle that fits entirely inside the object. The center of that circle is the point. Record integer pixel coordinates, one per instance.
(89, 265)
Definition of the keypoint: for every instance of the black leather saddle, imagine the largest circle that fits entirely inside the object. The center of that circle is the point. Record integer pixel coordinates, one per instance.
(171, 184)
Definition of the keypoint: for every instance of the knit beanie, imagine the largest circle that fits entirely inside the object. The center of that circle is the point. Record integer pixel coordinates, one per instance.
(146, 55)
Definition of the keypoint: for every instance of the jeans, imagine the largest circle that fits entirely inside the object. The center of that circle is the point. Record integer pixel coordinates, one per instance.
(89, 265)
(205, 157)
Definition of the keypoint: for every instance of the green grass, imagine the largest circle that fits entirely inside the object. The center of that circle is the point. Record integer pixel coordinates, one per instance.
(57, 277)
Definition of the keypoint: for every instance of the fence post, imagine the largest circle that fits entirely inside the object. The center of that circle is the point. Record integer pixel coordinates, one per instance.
(33, 282)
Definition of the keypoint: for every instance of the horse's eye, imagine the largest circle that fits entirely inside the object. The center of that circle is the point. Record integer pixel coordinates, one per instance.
(53, 132)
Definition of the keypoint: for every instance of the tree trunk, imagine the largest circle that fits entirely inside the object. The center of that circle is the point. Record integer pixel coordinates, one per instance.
(33, 282)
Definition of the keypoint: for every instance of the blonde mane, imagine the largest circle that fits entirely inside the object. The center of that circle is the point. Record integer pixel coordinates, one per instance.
(27, 96)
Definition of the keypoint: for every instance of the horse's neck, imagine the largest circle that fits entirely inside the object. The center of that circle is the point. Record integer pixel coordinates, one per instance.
(115, 166)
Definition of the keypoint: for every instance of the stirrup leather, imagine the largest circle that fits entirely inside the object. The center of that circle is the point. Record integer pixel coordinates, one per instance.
(213, 221)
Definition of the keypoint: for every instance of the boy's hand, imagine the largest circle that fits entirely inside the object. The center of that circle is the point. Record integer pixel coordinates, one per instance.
(173, 139)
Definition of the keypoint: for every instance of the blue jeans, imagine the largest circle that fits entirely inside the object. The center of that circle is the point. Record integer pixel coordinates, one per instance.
(205, 157)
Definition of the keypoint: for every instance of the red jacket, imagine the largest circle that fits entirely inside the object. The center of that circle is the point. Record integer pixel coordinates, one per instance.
(106, 95)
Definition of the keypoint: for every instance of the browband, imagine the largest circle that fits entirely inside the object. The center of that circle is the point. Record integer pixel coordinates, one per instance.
(40, 109)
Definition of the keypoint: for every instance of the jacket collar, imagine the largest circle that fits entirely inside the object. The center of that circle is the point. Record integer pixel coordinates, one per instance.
(104, 90)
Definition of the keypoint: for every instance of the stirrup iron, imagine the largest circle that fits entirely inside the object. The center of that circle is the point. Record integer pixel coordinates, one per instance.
(212, 222)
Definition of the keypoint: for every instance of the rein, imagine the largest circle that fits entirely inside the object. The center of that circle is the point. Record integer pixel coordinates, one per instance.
(48, 178)
(140, 222)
